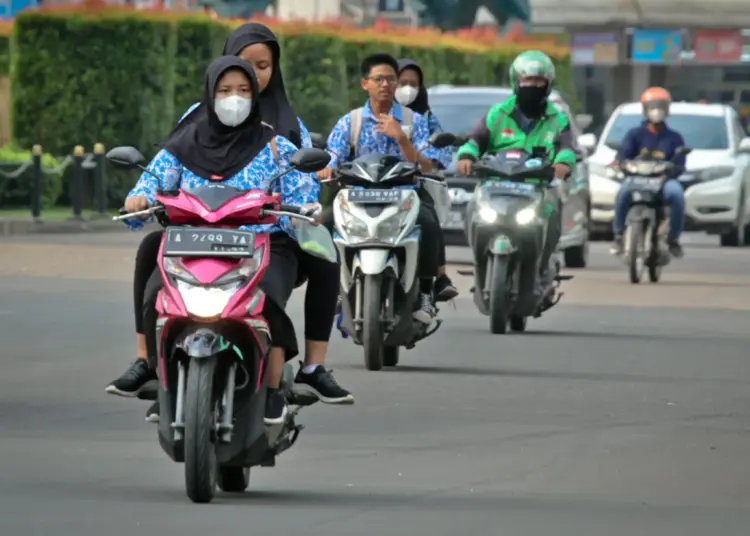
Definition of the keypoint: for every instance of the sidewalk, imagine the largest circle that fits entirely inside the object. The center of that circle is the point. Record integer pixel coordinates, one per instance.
(56, 220)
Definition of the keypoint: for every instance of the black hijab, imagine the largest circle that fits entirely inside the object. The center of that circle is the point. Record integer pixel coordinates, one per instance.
(274, 104)
(421, 104)
(211, 149)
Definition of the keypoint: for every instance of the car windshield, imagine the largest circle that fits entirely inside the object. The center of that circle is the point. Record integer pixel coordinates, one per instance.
(459, 112)
(705, 132)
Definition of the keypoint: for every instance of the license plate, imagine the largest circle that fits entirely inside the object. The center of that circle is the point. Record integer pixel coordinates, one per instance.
(455, 220)
(207, 242)
(368, 196)
(646, 183)
(509, 188)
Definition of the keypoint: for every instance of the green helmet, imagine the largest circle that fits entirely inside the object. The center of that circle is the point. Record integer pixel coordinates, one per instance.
(532, 63)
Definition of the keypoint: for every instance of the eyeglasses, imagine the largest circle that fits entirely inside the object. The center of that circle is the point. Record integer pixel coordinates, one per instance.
(380, 80)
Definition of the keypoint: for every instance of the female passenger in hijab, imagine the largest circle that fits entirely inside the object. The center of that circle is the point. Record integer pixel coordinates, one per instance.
(411, 92)
(228, 143)
(258, 46)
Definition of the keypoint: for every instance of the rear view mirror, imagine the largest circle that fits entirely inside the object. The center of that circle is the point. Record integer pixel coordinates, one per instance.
(440, 140)
(310, 160)
(318, 141)
(584, 120)
(683, 151)
(587, 141)
(126, 158)
(744, 146)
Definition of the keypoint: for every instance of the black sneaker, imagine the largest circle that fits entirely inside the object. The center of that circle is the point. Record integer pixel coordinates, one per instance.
(138, 377)
(675, 249)
(425, 311)
(152, 415)
(276, 409)
(321, 384)
(618, 246)
(444, 289)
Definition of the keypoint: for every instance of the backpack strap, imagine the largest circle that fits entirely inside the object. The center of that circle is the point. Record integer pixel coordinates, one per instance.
(407, 118)
(355, 128)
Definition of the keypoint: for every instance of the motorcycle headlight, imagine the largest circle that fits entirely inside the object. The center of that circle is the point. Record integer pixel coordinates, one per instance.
(526, 215)
(208, 301)
(487, 214)
(353, 227)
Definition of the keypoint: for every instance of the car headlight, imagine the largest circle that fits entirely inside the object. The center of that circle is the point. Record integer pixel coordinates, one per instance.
(714, 173)
(206, 301)
(526, 215)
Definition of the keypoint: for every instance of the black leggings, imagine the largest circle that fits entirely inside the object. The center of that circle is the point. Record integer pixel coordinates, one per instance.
(320, 297)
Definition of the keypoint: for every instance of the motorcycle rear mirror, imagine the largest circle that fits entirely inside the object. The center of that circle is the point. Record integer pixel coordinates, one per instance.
(683, 151)
(310, 160)
(318, 140)
(126, 158)
(440, 140)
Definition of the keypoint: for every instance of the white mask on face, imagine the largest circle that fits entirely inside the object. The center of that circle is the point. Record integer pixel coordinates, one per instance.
(656, 115)
(232, 110)
(406, 94)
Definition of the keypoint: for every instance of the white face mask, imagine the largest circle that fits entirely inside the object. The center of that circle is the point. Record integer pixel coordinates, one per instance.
(656, 115)
(232, 110)
(406, 94)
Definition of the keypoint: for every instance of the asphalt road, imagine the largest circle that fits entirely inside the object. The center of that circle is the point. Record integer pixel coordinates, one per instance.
(624, 411)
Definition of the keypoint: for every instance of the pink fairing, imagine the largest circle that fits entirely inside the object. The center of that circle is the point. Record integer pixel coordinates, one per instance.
(248, 300)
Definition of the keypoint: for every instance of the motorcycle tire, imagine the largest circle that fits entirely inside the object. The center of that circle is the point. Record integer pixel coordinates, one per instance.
(499, 297)
(233, 479)
(372, 326)
(634, 240)
(200, 430)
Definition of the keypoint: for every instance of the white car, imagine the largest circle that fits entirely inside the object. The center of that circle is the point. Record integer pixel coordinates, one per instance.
(717, 178)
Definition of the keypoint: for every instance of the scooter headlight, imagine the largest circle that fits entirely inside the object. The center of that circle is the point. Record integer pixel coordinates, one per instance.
(487, 214)
(206, 302)
(526, 215)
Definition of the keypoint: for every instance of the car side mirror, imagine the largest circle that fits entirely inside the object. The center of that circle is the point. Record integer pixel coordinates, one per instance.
(587, 141)
(126, 158)
(310, 160)
(318, 141)
(744, 146)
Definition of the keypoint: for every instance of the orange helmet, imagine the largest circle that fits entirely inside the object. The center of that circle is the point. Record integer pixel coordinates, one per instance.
(656, 94)
(656, 101)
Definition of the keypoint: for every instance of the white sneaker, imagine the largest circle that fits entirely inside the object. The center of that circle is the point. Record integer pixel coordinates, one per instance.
(426, 312)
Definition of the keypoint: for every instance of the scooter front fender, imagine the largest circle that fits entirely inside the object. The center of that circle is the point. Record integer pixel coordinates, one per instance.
(372, 261)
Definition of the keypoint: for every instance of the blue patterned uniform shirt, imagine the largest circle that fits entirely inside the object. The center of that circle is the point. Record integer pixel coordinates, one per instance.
(296, 188)
(443, 156)
(370, 142)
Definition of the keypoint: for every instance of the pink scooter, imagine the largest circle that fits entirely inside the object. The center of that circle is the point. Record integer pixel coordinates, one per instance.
(211, 338)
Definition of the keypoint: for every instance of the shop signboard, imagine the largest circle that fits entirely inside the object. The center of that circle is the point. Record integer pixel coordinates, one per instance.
(717, 46)
(656, 46)
(600, 48)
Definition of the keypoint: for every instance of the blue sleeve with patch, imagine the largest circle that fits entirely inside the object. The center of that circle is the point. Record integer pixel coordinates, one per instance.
(164, 165)
(338, 141)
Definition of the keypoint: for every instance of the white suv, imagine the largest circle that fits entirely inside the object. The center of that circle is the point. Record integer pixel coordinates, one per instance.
(717, 179)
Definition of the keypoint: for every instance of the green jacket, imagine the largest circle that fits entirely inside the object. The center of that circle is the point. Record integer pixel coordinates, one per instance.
(499, 131)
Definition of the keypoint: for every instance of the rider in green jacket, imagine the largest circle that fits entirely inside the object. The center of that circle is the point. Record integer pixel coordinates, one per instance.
(523, 121)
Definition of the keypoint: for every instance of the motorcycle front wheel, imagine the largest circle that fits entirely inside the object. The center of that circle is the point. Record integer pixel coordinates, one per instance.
(634, 241)
(372, 325)
(200, 431)
(499, 296)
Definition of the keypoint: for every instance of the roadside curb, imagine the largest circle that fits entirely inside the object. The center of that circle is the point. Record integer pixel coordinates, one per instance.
(10, 227)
